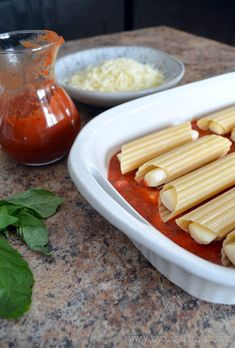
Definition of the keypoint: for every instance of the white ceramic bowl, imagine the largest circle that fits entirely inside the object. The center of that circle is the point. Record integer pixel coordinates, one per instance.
(68, 65)
(103, 136)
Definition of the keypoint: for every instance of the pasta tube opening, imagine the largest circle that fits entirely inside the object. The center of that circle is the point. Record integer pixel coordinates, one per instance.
(201, 234)
(169, 199)
(219, 122)
(155, 177)
(212, 220)
(217, 128)
(228, 250)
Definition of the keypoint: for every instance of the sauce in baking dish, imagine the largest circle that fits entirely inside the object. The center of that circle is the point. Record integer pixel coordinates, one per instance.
(145, 199)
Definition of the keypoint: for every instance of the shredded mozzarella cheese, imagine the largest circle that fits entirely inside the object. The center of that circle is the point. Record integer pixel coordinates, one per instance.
(118, 75)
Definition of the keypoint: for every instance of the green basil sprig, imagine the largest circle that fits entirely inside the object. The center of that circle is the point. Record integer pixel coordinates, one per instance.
(22, 214)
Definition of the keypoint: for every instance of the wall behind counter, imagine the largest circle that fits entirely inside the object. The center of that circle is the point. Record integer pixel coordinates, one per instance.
(82, 18)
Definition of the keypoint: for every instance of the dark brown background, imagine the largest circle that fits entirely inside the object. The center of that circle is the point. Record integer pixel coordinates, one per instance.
(82, 18)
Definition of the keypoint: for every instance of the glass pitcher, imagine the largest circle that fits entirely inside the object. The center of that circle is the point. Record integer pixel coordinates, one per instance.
(38, 120)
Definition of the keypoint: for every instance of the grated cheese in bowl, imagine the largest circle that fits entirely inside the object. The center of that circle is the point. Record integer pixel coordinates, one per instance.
(118, 75)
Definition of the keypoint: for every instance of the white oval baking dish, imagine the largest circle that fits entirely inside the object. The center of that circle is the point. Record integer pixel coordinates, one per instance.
(102, 137)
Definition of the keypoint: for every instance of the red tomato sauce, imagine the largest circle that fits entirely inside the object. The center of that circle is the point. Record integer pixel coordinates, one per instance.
(145, 201)
(30, 136)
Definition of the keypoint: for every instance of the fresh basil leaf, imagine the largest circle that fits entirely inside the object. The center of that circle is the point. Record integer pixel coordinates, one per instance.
(36, 237)
(33, 231)
(8, 208)
(25, 217)
(43, 202)
(6, 220)
(16, 282)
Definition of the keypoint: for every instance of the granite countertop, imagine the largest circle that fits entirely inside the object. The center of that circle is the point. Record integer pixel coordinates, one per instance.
(97, 290)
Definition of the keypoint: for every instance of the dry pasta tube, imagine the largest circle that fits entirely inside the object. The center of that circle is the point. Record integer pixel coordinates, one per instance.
(219, 122)
(182, 160)
(137, 152)
(193, 188)
(211, 221)
(228, 250)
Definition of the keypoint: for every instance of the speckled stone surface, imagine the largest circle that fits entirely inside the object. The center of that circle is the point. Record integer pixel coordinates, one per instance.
(97, 290)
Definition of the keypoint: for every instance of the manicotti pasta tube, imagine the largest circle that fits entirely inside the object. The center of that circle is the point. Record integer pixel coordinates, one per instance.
(182, 160)
(228, 250)
(211, 221)
(191, 189)
(137, 152)
(219, 122)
